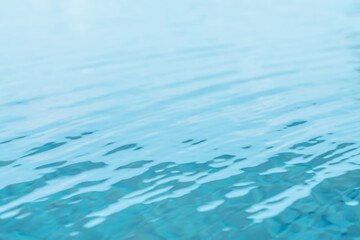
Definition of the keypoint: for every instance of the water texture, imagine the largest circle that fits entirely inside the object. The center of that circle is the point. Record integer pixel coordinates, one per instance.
(183, 119)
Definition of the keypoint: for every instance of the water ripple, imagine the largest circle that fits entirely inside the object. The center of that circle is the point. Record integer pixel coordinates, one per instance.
(181, 120)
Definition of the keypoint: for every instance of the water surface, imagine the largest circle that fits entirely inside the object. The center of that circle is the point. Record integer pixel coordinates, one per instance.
(180, 119)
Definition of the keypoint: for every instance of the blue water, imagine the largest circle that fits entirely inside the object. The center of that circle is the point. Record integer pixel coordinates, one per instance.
(180, 119)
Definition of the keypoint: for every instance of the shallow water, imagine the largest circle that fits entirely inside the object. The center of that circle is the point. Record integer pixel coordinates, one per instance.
(180, 119)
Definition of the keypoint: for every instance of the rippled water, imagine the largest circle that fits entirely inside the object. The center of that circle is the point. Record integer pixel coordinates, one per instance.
(180, 119)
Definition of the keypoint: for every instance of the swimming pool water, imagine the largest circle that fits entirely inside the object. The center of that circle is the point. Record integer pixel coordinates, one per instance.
(180, 119)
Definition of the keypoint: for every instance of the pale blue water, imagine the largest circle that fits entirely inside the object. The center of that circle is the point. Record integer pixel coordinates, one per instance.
(180, 119)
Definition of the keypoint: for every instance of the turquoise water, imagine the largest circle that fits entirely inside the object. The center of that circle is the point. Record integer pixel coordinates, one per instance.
(180, 119)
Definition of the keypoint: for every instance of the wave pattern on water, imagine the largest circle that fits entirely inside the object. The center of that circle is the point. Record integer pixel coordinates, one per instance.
(187, 120)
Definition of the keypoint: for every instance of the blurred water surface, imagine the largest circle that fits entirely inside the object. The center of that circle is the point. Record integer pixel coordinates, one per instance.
(180, 119)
